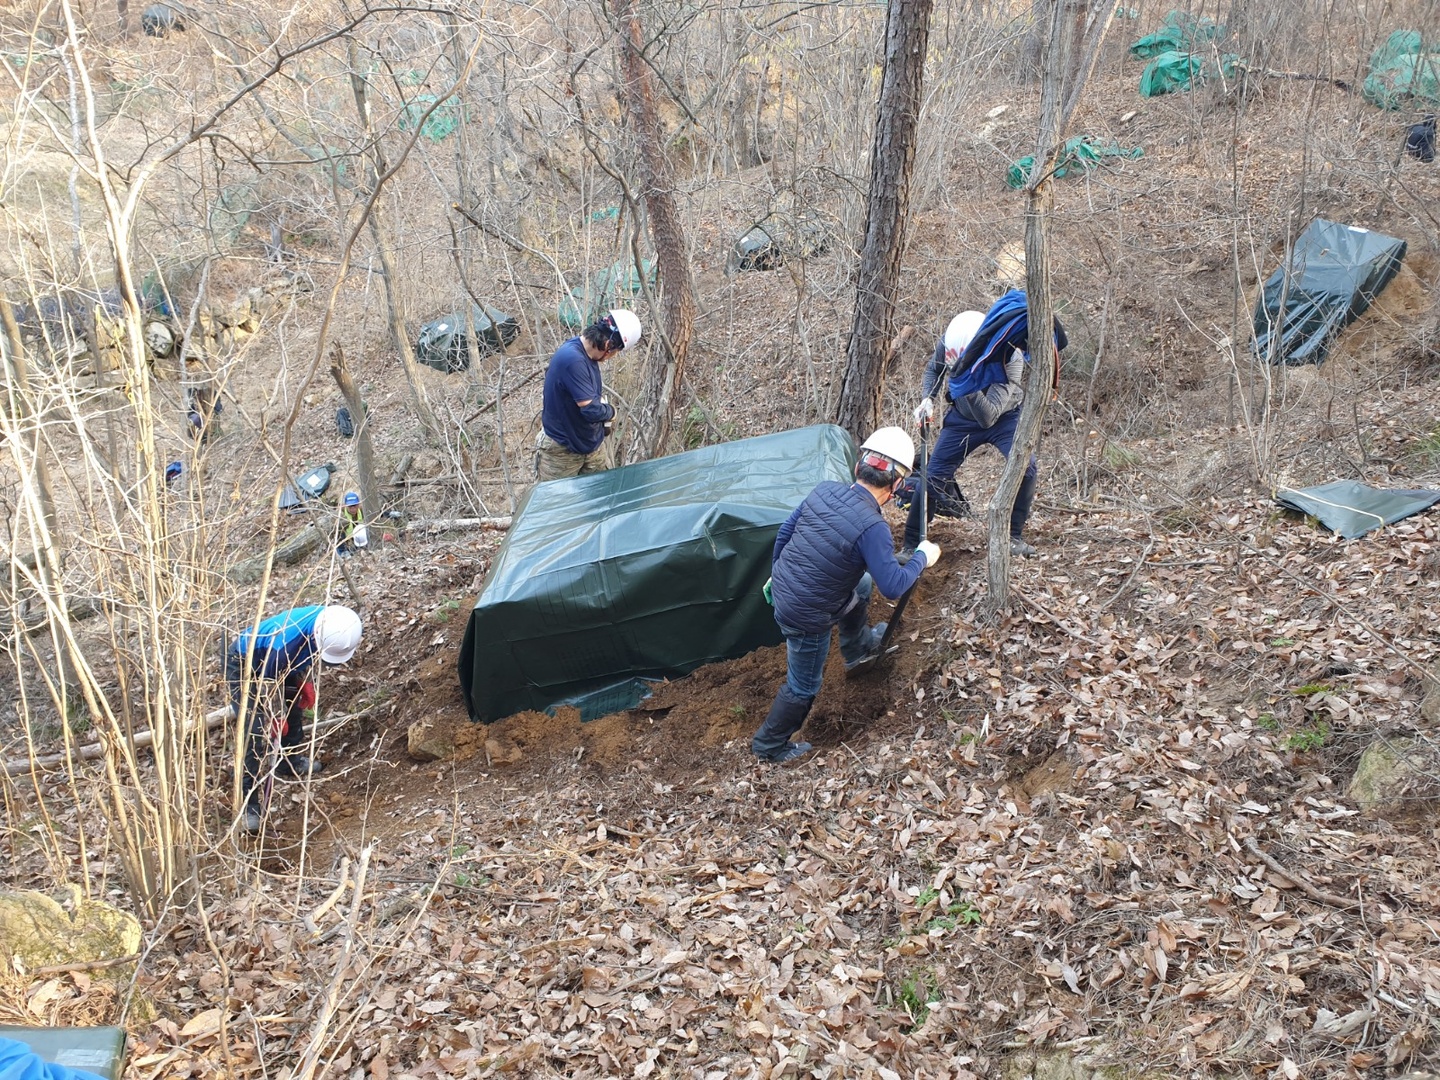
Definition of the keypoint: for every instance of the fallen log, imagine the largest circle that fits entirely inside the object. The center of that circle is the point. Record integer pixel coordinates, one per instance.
(91, 751)
(437, 525)
(286, 554)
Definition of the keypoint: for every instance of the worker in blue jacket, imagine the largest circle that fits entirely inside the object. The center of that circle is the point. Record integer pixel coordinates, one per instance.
(829, 555)
(575, 418)
(281, 651)
(979, 365)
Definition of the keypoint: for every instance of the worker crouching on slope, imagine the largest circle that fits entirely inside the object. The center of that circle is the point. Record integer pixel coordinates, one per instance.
(281, 651)
(979, 364)
(575, 418)
(829, 554)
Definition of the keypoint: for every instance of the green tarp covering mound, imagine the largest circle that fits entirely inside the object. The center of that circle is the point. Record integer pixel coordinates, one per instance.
(1350, 508)
(1333, 273)
(1404, 73)
(610, 581)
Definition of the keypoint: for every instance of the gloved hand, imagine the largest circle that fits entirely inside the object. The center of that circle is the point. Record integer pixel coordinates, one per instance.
(765, 592)
(925, 411)
(609, 424)
(930, 550)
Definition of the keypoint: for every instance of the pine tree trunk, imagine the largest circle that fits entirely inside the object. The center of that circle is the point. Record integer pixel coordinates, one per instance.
(654, 412)
(871, 349)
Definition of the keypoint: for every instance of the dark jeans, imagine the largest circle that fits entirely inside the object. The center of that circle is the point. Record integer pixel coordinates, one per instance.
(805, 654)
(959, 438)
(259, 718)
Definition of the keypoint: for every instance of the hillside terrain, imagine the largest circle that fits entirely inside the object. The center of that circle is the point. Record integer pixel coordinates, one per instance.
(1112, 831)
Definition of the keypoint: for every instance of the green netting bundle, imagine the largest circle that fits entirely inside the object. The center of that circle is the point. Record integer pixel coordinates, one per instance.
(1078, 153)
(439, 124)
(1181, 32)
(1174, 72)
(1404, 73)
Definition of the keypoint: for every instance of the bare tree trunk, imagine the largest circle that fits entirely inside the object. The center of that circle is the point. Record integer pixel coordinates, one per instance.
(871, 351)
(653, 413)
(380, 233)
(364, 445)
(1057, 105)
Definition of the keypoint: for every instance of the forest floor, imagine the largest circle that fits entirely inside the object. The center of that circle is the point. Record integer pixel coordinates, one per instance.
(1112, 823)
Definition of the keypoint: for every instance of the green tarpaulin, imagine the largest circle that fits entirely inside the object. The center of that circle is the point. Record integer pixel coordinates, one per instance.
(1181, 32)
(1333, 273)
(1079, 154)
(618, 284)
(1174, 71)
(611, 581)
(1404, 73)
(1352, 509)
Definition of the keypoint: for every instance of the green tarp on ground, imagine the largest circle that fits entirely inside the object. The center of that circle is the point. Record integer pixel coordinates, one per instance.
(1333, 273)
(1404, 73)
(1350, 508)
(1078, 155)
(1174, 71)
(1181, 32)
(610, 581)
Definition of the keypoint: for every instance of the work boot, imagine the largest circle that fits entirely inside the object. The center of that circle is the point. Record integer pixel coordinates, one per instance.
(872, 648)
(298, 766)
(250, 820)
(904, 555)
(792, 753)
(787, 715)
(1020, 547)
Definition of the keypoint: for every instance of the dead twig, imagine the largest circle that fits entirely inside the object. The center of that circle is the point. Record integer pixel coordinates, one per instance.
(1318, 895)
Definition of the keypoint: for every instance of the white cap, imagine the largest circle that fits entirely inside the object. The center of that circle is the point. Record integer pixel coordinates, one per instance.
(337, 634)
(961, 329)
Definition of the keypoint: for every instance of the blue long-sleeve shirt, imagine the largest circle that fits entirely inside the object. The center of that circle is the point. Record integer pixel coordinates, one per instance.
(571, 378)
(284, 643)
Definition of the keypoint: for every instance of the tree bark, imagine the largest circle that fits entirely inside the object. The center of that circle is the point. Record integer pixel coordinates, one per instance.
(653, 414)
(1057, 105)
(870, 351)
(379, 226)
(364, 445)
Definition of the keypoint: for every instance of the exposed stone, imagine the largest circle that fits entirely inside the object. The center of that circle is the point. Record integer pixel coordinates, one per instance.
(500, 754)
(40, 930)
(1430, 703)
(1390, 770)
(427, 741)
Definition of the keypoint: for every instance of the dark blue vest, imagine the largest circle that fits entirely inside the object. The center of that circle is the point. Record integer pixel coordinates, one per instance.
(821, 565)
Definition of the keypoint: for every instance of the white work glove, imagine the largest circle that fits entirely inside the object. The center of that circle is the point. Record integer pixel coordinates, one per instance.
(925, 411)
(930, 550)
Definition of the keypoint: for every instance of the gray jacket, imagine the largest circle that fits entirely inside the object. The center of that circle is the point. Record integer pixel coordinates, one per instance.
(983, 407)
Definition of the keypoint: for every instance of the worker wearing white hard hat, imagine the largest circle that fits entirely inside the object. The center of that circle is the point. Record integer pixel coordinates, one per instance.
(830, 553)
(575, 418)
(281, 652)
(986, 416)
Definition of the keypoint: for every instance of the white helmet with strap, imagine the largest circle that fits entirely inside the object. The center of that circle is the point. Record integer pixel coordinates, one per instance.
(627, 325)
(889, 448)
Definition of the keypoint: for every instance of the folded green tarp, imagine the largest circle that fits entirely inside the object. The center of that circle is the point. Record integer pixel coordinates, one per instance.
(1181, 31)
(1173, 71)
(1333, 273)
(1404, 73)
(1353, 509)
(1078, 154)
(608, 582)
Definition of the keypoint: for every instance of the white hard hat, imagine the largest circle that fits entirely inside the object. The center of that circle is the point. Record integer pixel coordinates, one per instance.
(893, 444)
(627, 326)
(961, 329)
(337, 634)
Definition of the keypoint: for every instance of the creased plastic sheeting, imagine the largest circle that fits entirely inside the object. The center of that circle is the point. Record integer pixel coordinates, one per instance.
(1350, 508)
(608, 581)
(1334, 273)
(19, 1062)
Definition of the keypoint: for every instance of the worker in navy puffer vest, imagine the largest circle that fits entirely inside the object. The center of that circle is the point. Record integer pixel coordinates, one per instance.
(829, 554)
